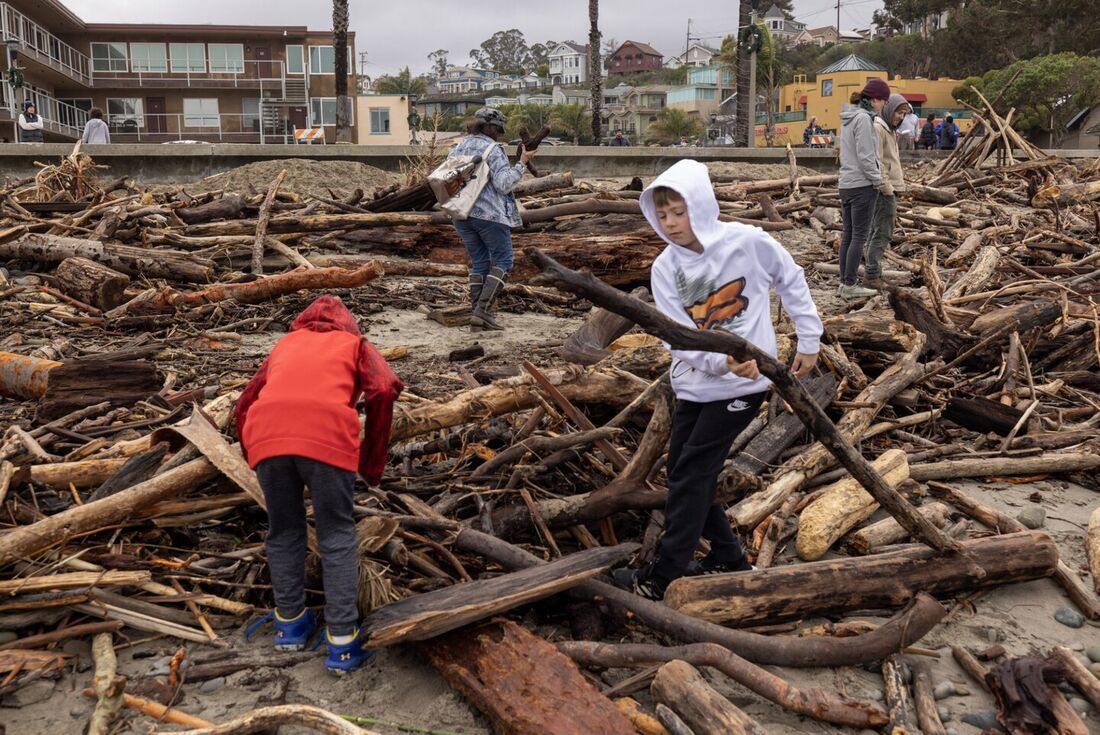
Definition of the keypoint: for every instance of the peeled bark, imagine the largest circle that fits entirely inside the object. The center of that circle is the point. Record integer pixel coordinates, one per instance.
(871, 330)
(975, 279)
(154, 263)
(272, 287)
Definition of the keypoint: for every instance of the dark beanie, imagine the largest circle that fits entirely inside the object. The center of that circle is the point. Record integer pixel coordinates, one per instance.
(876, 89)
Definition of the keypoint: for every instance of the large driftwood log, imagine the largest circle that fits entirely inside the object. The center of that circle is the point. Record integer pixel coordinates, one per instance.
(903, 630)
(1049, 463)
(788, 478)
(75, 385)
(81, 474)
(272, 287)
(983, 415)
(588, 345)
(538, 185)
(171, 264)
(1078, 675)
(679, 686)
(433, 613)
(226, 207)
(888, 531)
(880, 580)
(22, 376)
(842, 506)
(1026, 315)
(783, 381)
(871, 330)
(1066, 194)
(816, 703)
(522, 684)
(975, 279)
(942, 340)
(92, 283)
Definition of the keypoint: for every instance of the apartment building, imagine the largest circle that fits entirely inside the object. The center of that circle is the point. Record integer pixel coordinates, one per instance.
(165, 83)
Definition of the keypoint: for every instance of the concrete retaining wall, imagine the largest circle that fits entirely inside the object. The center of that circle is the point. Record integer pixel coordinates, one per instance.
(189, 163)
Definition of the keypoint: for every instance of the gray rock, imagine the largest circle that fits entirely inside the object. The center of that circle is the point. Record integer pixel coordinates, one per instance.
(212, 685)
(33, 693)
(944, 713)
(1033, 516)
(1093, 652)
(7, 636)
(961, 691)
(944, 690)
(1094, 669)
(985, 719)
(995, 635)
(1077, 647)
(1069, 616)
(1082, 706)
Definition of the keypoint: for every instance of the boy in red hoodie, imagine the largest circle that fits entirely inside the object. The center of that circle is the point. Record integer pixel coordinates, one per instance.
(298, 425)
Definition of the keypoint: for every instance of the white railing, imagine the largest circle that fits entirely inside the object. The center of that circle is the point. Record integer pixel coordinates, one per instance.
(206, 128)
(59, 117)
(264, 76)
(38, 43)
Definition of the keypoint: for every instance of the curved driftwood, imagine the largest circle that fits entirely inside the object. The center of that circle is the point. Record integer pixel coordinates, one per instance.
(270, 718)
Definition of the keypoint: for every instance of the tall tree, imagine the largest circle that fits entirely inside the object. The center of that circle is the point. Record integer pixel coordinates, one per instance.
(610, 46)
(571, 120)
(540, 53)
(670, 124)
(595, 71)
(401, 83)
(1047, 91)
(439, 62)
(743, 126)
(505, 52)
(340, 63)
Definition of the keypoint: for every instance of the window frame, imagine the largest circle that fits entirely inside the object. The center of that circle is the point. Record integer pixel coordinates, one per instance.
(139, 115)
(301, 58)
(110, 61)
(313, 123)
(312, 73)
(146, 67)
(828, 93)
(373, 111)
(203, 115)
(190, 47)
(214, 69)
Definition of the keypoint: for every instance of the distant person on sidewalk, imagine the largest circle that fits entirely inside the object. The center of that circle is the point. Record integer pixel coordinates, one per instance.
(30, 124)
(949, 134)
(96, 131)
(928, 133)
(619, 140)
(908, 131)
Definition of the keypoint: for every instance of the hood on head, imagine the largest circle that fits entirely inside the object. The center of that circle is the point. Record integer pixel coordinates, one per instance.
(892, 105)
(691, 180)
(327, 314)
(850, 112)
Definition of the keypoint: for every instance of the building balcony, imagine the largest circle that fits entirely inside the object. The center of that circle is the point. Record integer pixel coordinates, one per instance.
(267, 78)
(57, 117)
(42, 47)
(259, 127)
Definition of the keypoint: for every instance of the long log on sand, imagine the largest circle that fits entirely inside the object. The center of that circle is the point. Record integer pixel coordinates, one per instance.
(816, 703)
(522, 684)
(679, 686)
(154, 263)
(880, 580)
(22, 376)
(783, 380)
(272, 287)
(903, 630)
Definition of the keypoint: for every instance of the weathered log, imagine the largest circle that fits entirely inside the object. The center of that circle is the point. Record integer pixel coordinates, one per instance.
(923, 193)
(1049, 463)
(904, 629)
(971, 665)
(263, 719)
(1078, 675)
(138, 468)
(1024, 699)
(522, 684)
(842, 506)
(262, 219)
(871, 330)
(924, 699)
(154, 263)
(983, 415)
(672, 721)
(1026, 315)
(549, 182)
(975, 279)
(75, 385)
(588, 345)
(788, 478)
(968, 247)
(1092, 550)
(888, 531)
(1064, 194)
(92, 283)
(815, 703)
(272, 287)
(1081, 596)
(22, 376)
(880, 580)
(226, 207)
(941, 339)
(73, 580)
(783, 381)
(897, 696)
(433, 613)
(680, 686)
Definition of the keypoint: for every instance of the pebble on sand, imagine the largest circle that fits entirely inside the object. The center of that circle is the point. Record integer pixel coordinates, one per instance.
(1069, 616)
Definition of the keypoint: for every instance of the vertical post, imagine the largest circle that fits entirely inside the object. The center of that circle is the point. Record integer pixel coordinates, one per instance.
(838, 21)
(752, 85)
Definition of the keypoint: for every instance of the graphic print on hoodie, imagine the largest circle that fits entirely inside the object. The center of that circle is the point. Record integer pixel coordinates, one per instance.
(726, 287)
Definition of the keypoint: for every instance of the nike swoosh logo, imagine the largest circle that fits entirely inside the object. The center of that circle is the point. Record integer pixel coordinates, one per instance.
(737, 406)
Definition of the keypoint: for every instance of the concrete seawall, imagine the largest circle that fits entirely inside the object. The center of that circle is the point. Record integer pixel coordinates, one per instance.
(189, 163)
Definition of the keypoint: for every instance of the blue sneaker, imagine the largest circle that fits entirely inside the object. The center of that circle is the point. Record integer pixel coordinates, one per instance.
(290, 634)
(345, 657)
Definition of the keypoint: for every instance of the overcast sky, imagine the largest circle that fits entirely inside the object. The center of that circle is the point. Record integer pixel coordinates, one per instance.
(403, 33)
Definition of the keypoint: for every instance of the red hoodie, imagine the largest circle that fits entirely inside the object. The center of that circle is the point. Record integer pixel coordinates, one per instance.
(301, 401)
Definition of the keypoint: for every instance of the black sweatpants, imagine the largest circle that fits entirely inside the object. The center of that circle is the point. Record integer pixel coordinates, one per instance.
(857, 211)
(332, 490)
(702, 434)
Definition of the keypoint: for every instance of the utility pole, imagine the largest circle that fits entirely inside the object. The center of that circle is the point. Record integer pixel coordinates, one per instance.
(838, 21)
(687, 38)
(363, 63)
(751, 143)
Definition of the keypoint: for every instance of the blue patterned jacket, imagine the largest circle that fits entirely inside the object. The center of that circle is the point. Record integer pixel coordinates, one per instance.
(496, 203)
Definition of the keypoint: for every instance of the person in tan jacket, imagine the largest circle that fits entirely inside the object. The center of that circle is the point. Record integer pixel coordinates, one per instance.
(893, 182)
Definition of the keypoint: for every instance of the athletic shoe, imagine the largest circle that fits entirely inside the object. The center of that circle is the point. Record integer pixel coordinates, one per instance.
(344, 658)
(640, 582)
(856, 292)
(707, 566)
(291, 634)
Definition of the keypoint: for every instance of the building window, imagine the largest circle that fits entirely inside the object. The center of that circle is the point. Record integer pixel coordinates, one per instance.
(295, 63)
(322, 60)
(148, 57)
(250, 113)
(379, 121)
(200, 112)
(226, 58)
(826, 87)
(188, 57)
(109, 57)
(126, 112)
(323, 111)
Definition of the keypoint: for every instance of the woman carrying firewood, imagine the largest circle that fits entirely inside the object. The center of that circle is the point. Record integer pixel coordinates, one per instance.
(487, 232)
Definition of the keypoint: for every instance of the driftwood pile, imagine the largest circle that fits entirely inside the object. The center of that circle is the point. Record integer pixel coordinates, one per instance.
(126, 506)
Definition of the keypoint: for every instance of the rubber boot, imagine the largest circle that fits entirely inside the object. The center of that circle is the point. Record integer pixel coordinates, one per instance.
(481, 316)
(477, 282)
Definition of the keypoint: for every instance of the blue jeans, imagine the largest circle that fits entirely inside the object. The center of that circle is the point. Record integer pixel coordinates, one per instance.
(488, 243)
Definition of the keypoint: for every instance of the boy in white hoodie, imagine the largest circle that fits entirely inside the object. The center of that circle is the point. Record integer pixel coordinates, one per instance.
(712, 275)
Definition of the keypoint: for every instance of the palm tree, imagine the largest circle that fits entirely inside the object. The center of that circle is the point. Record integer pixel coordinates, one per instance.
(743, 126)
(340, 51)
(403, 83)
(594, 71)
(573, 120)
(671, 123)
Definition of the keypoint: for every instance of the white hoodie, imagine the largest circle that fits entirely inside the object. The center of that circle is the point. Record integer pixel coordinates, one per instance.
(727, 287)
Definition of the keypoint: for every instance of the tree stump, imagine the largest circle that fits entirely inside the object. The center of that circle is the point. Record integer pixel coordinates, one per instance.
(93, 283)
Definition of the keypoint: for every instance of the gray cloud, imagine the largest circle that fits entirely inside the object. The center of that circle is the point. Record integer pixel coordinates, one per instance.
(403, 33)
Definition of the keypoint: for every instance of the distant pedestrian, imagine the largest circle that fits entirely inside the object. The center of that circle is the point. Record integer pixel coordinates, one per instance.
(96, 131)
(908, 131)
(949, 134)
(619, 140)
(30, 124)
(928, 133)
(809, 132)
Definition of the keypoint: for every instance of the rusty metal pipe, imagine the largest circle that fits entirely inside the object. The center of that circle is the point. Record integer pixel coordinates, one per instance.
(24, 377)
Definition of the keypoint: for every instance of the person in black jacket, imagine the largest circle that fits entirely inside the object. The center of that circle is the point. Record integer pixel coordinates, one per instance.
(928, 134)
(30, 124)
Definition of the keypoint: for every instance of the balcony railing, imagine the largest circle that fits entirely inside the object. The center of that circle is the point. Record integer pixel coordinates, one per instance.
(267, 77)
(781, 117)
(39, 44)
(58, 117)
(200, 127)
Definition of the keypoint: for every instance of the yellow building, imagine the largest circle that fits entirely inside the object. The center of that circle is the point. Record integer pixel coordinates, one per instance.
(383, 119)
(824, 98)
